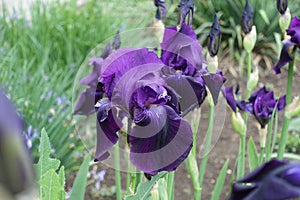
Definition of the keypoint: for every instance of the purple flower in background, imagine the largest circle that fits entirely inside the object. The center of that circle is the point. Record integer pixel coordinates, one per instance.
(161, 11)
(214, 37)
(261, 104)
(289, 45)
(274, 180)
(98, 177)
(160, 139)
(247, 17)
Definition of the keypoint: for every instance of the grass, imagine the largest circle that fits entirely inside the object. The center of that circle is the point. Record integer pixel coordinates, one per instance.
(40, 57)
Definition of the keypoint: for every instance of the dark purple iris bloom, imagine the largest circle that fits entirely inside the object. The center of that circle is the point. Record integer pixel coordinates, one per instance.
(247, 18)
(214, 37)
(282, 6)
(289, 45)
(261, 104)
(274, 180)
(184, 71)
(160, 139)
(161, 11)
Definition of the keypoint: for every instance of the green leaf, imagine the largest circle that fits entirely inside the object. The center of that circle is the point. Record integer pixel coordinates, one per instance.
(264, 15)
(143, 190)
(61, 176)
(78, 189)
(52, 188)
(45, 163)
(252, 155)
(220, 182)
(294, 124)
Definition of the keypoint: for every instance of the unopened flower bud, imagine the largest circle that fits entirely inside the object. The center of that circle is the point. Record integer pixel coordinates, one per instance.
(247, 18)
(154, 192)
(282, 6)
(210, 99)
(214, 38)
(238, 123)
(285, 20)
(263, 135)
(186, 10)
(250, 40)
(212, 63)
(293, 109)
(252, 82)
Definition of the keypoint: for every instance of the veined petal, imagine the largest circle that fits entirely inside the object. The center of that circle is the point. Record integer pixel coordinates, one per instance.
(181, 49)
(108, 124)
(122, 61)
(162, 144)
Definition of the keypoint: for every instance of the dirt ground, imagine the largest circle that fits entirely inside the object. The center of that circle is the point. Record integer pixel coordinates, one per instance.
(225, 148)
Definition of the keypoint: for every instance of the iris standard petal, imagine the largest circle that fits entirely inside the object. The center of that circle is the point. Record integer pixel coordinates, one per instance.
(122, 61)
(108, 124)
(163, 143)
(180, 49)
(285, 56)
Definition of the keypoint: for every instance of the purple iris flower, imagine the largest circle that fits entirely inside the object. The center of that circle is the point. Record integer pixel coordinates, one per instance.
(289, 45)
(160, 139)
(185, 68)
(261, 104)
(274, 180)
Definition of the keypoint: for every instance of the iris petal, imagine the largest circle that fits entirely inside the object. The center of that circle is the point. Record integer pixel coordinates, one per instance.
(229, 96)
(294, 30)
(163, 144)
(108, 124)
(284, 58)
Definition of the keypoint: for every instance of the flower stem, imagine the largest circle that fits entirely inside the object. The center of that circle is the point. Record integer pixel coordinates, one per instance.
(117, 172)
(241, 156)
(285, 126)
(170, 182)
(269, 136)
(207, 146)
(249, 66)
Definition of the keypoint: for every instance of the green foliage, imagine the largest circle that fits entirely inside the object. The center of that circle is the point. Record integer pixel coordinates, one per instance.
(293, 142)
(78, 189)
(220, 182)
(252, 155)
(143, 189)
(51, 183)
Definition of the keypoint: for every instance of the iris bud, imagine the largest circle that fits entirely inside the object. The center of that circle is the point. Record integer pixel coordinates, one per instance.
(293, 109)
(252, 82)
(247, 18)
(186, 10)
(214, 38)
(159, 29)
(282, 6)
(250, 40)
(238, 123)
(193, 169)
(285, 20)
